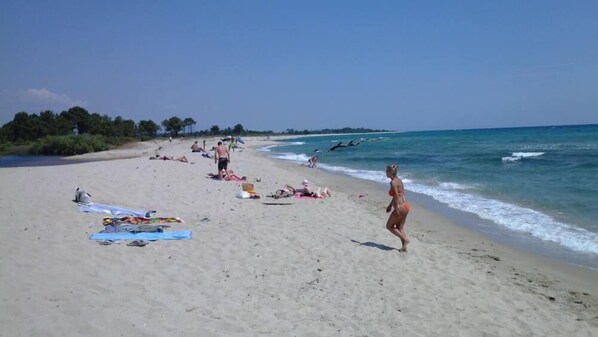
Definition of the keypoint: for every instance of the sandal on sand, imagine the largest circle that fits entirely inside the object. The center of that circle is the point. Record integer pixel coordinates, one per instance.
(137, 243)
(106, 242)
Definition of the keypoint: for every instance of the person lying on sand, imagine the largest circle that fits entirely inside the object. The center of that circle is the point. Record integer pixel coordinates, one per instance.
(231, 176)
(320, 193)
(181, 159)
(285, 192)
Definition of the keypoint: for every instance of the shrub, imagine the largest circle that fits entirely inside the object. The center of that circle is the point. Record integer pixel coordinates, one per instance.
(69, 145)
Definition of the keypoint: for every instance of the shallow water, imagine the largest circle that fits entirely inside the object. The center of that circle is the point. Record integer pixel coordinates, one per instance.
(533, 187)
(28, 161)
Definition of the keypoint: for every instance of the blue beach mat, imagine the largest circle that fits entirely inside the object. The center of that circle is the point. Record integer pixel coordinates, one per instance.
(101, 208)
(178, 235)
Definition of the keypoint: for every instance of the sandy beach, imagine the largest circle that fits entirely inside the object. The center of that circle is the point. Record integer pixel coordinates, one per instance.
(261, 267)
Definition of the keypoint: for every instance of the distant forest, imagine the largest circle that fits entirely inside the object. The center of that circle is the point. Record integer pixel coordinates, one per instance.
(25, 127)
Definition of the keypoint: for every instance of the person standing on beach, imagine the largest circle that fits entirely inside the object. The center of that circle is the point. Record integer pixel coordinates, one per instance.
(398, 207)
(313, 161)
(232, 145)
(222, 158)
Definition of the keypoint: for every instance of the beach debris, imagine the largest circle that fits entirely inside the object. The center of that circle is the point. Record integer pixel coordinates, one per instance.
(495, 258)
(311, 283)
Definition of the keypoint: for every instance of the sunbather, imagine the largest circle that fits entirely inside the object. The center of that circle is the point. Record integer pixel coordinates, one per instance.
(231, 176)
(320, 193)
(181, 159)
(196, 148)
(285, 192)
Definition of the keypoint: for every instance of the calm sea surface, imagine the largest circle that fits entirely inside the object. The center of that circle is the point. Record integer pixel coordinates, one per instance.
(24, 161)
(535, 187)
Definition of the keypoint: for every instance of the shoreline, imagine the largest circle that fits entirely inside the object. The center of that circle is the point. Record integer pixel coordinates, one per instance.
(510, 240)
(450, 229)
(491, 229)
(536, 273)
(298, 267)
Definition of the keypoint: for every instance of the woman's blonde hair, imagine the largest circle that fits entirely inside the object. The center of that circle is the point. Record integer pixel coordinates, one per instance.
(392, 169)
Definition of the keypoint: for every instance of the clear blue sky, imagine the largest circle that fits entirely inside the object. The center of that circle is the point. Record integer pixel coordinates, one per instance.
(276, 65)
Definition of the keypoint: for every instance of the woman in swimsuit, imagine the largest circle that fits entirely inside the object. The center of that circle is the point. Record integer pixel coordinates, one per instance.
(306, 191)
(398, 205)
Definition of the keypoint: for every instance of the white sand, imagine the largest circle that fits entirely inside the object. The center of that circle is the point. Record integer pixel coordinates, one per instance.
(312, 268)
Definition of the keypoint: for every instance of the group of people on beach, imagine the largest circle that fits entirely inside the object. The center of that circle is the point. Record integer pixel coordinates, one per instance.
(398, 206)
(196, 148)
(221, 158)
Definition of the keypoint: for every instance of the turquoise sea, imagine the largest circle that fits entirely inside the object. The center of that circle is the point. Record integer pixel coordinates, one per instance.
(535, 187)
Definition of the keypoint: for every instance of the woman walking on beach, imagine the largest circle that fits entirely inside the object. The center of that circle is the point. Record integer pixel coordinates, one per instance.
(398, 205)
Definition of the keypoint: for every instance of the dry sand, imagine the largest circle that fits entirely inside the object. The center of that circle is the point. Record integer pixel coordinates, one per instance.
(323, 267)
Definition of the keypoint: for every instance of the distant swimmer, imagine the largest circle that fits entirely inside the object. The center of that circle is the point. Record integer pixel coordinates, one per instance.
(354, 144)
(340, 144)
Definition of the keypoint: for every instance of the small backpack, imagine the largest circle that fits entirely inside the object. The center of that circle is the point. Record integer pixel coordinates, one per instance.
(82, 197)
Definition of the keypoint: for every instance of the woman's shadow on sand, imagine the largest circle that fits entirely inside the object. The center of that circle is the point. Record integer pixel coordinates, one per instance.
(374, 245)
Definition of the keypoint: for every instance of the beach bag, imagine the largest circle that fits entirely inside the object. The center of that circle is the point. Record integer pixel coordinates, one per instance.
(243, 195)
(82, 197)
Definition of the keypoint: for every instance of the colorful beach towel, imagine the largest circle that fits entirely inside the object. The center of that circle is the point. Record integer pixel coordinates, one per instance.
(178, 235)
(101, 208)
(134, 228)
(139, 220)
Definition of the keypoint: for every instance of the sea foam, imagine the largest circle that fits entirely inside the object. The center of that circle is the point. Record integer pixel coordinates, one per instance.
(517, 156)
(509, 216)
(267, 148)
(514, 218)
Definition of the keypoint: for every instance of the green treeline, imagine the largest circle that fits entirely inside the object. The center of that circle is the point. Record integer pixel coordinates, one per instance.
(76, 131)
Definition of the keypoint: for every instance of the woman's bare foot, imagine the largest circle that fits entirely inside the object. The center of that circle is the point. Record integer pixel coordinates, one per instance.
(404, 248)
